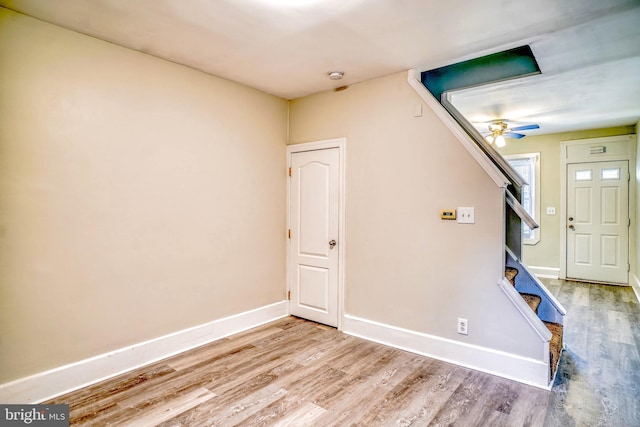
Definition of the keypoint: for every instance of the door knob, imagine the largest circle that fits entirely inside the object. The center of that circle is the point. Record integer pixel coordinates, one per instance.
(571, 227)
(570, 218)
(332, 244)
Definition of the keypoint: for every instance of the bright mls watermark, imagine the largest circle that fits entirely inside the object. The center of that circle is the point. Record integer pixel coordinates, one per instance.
(34, 415)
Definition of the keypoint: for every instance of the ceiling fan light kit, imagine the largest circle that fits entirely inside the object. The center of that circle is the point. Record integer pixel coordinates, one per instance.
(498, 130)
(497, 139)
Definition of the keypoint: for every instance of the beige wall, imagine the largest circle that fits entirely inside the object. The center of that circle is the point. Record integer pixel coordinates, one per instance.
(546, 253)
(404, 265)
(137, 197)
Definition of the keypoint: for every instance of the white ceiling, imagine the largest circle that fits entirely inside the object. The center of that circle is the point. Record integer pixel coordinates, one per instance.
(588, 50)
(590, 79)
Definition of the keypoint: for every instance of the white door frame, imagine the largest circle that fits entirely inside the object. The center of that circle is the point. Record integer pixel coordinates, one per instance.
(622, 147)
(341, 145)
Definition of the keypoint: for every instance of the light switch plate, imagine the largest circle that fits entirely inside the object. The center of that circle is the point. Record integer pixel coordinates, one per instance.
(551, 210)
(466, 216)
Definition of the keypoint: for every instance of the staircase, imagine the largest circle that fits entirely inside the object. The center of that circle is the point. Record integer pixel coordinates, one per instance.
(542, 303)
(549, 313)
(544, 314)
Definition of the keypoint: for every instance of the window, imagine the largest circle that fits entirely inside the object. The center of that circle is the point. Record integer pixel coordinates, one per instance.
(611, 174)
(528, 166)
(583, 175)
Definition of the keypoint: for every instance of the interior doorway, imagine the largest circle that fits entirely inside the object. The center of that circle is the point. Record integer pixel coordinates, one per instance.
(315, 256)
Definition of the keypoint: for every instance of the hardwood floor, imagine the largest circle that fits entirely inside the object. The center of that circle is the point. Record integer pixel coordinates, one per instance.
(598, 381)
(296, 372)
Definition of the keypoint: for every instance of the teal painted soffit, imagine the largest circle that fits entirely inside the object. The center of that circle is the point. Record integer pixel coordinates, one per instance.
(509, 64)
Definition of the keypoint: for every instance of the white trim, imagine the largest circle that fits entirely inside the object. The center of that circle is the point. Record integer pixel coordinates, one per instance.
(520, 211)
(317, 145)
(534, 158)
(341, 145)
(636, 287)
(46, 385)
(506, 365)
(484, 162)
(629, 156)
(600, 157)
(503, 229)
(532, 319)
(545, 272)
(481, 142)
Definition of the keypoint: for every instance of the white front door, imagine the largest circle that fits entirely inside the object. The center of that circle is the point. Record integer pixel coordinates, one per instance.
(598, 221)
(314, 246)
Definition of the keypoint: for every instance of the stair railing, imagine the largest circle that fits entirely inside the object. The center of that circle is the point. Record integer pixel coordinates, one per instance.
(515, 213)
(520, 211)
(488, 157)
(493, 154)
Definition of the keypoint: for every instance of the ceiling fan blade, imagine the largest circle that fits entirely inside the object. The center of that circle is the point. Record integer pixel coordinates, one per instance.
(514, 135)
(526, 127)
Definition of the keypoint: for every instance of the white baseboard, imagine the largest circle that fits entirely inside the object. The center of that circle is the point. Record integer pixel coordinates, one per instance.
(46, 385)
(546, 272)
(635, 285)
(522, 369)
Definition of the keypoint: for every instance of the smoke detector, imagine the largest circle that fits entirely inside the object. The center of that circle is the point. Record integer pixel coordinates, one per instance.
(336, 75)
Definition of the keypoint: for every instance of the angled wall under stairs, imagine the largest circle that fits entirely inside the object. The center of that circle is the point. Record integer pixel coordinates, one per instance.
(545, 319)
(542, 303)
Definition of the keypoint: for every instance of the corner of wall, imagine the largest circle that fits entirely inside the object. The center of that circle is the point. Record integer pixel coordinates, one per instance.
(46, 385)
(121, 180)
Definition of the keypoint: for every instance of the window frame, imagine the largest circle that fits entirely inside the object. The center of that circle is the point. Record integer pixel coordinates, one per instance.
(534, 160)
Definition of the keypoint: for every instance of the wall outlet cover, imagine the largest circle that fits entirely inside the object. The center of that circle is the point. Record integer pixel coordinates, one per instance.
(463, 326)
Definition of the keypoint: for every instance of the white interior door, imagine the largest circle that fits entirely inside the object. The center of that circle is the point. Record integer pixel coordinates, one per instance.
(314, 219)
(598, 221)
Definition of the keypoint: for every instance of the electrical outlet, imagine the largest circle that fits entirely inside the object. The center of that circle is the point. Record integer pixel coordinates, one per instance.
(463, 326)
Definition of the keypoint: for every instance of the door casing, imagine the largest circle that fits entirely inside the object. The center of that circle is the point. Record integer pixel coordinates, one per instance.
(341, 145)
(622, 147)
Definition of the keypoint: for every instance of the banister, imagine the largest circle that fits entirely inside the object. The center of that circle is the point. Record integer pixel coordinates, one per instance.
(504, 166)
(492, 170)
(520, 211)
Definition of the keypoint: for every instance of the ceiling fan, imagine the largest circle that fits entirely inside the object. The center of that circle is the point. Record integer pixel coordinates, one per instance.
(499, 130)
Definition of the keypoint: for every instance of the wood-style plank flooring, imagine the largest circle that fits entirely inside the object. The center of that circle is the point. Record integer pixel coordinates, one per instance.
(598, 380)
(295, 372)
